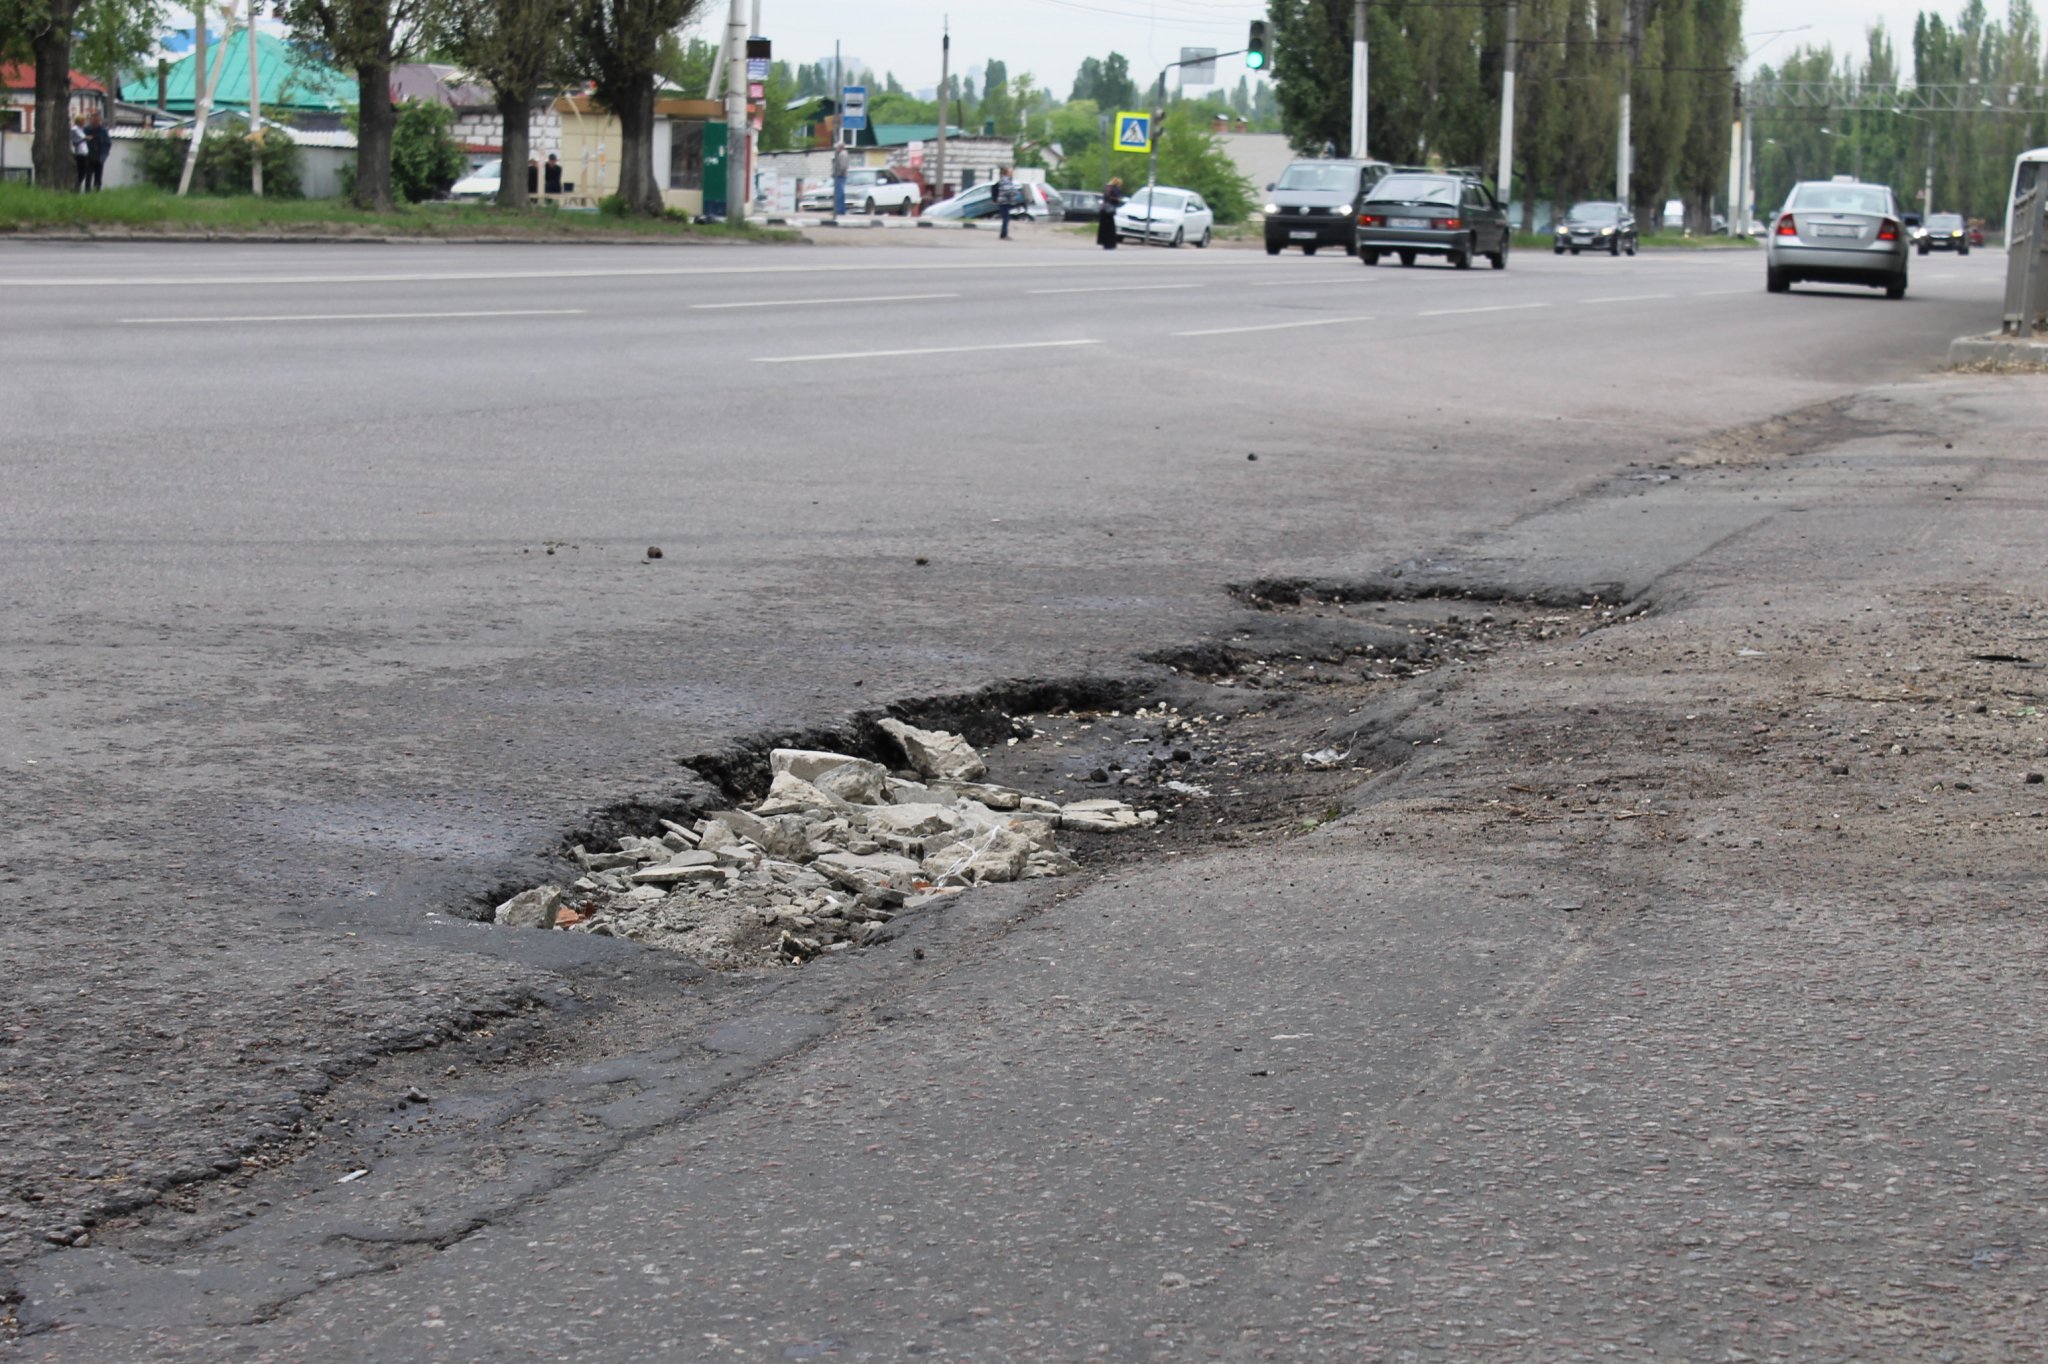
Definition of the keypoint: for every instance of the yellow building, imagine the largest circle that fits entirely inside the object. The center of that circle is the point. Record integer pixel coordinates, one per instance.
(590, 149)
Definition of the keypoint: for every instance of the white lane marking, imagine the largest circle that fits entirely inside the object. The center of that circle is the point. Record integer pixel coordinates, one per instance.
(443, 276)
(808, 302)
(1626, 298)
(922, 350)
(1111, 288)
(1723, 293)
(366, 317)
(1274, 326)
(1497, 308)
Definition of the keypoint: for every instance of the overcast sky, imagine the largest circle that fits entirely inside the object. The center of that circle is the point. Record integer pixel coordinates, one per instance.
(1049, 38)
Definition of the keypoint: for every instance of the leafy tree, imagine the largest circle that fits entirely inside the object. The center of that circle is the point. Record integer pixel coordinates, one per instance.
(618, 44)
(514, 46)
(57, 35)
(369, 37)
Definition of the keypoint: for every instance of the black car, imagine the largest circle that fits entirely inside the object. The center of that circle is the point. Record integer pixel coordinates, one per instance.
(1433, 213)
(1945, 232)
(1596, 225)
(1311, 204)
(1083, 205)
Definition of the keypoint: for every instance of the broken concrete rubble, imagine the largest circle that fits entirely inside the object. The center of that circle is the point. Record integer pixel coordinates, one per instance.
(827, 858)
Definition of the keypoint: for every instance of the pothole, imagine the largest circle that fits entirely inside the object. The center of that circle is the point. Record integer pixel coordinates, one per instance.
(815, 841)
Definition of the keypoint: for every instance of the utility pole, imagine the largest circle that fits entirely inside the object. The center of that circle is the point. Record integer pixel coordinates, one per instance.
(945, 78)
(1358, 79)
(255, 106)
(1738, 221)
(1104, 120)
(1927, 193)
(1624, 154)
(199, 97)
(736, 114)
(1158, 120)
(1506, 178)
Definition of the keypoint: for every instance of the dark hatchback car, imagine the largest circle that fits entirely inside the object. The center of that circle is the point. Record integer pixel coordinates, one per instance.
(1945, 232)
(1312, 203)
(1596, 225)
(1083, 205)
(1433, 213)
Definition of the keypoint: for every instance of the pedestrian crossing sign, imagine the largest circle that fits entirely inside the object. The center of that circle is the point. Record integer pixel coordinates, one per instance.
(1134, 132)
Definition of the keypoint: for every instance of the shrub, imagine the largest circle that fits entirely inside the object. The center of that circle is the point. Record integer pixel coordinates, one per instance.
(425, 157)
(224, 161)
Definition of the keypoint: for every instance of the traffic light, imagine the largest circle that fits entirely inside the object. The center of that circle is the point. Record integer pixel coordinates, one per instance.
(1255, 46)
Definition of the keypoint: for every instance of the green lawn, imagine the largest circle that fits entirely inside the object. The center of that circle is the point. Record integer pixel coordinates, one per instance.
(24, 208)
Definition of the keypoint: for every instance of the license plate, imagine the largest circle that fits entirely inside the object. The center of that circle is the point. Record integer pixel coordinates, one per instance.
(1824, 231)
(1300, 236)
(1581, 238)
(1408, 222)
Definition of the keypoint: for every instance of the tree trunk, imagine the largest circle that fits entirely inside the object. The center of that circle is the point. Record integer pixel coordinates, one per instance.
(55, 168)
(637, 187)
(374, 121)
(517, 143)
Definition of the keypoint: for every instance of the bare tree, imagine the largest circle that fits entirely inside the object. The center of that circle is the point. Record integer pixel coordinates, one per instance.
(619, 45)
(515, 47)
(371, 37)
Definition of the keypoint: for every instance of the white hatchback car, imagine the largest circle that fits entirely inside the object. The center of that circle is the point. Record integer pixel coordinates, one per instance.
(1161, 213)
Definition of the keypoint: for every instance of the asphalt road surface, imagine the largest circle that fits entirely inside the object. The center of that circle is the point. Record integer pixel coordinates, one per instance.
(330, 613)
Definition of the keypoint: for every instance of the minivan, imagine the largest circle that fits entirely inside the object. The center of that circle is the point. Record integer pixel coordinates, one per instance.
(1311, 204)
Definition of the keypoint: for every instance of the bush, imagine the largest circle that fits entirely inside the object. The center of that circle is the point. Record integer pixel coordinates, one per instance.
(425, 157)
(224, 162)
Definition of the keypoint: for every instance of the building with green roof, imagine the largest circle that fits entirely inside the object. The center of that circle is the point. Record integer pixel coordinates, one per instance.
(288, 81)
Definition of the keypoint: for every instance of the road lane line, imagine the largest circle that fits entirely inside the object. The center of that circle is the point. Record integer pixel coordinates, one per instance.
(922, 350)
(1626, 298)
(1723, 293)
(365, 317)
(807, 302)
(457, 276)
(1274, 326)
(1112, 288)
(1497, 308)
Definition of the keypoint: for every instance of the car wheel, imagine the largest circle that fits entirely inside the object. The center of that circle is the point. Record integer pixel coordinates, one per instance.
(1407, 258)
(1272, 248)
(1575, 251)
(903, 209)
(870, 208)
(1369, 257)
(1180, 237)
(1557, 251)
(1924, 250)
(1461, 260)
(1310, 249)
(1776, 281)
(1962, 251)
(1631, 248)
(1202, 244)
(1614, 247)
(1499, 259)
(1896, 288)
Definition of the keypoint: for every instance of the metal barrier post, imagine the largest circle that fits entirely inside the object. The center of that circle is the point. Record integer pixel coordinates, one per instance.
(2024, 276)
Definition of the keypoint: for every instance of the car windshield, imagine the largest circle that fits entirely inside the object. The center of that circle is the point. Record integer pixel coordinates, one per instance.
(1160, 198)
(1415, 189)
(1839, 199)
(1318, 175)
(1945, 222)
(1594, 213)
(860, 177)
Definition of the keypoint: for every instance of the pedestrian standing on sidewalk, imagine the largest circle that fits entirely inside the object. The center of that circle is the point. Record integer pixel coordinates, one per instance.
(99, 145)
(1006, 201)
(840, 162)
(551, 175)
(81, 153)
(1105, 221)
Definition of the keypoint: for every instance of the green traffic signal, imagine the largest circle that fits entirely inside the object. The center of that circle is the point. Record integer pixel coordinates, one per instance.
(1255, 46)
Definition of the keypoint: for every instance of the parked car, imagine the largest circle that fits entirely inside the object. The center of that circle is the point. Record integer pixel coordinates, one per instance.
(1433, 213)
(1036, 202)
(481, 183)
(1976, 232)
(1312, 204)
(1945, 232)
(1162, 213)
(1838, 231)
(1914, 231)
(1082, 205)
(1595, 225)
(869, 189)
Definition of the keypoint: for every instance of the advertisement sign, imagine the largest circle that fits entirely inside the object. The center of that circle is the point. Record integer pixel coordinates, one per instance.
(758, 53)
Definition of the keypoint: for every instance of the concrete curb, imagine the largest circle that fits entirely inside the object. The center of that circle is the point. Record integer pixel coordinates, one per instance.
(878, 221)
(1993, 346)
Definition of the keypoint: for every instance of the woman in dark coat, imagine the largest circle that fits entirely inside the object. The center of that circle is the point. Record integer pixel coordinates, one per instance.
(1105, 222)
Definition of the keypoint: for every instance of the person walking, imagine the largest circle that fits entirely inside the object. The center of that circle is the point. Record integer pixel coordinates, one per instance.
(1105, 222)
(81, 152)
(99, 145)
(840, 163)
(1006, 202)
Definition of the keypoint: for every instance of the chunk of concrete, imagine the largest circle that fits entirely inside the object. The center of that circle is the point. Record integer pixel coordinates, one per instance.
(806, 763)
(868, 869)
(790, 795)
(856, 782)
(936, 753)
(999, 855)
(530, 908)
(911, 821)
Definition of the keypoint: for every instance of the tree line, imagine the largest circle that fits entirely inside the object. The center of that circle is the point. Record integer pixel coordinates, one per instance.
(519, 48)
(1995, 65)
(1434, 89)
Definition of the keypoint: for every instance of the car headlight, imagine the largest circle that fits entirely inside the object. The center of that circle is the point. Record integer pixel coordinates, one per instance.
(1341, 210)
(1272, 208)
(1606, 231)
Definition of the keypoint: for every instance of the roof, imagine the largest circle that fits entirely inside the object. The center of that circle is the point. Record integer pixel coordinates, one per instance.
(22, 76)
(439, 83)
(286, 78)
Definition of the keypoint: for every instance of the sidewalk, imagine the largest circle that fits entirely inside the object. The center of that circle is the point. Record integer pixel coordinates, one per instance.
(1678, 997)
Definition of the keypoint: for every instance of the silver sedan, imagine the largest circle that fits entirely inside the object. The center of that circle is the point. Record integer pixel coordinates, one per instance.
(1838, 231)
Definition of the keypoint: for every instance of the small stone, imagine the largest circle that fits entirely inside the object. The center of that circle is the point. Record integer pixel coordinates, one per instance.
(1099, 816)
(654, 551)
(1098, 776)
(2034, 778)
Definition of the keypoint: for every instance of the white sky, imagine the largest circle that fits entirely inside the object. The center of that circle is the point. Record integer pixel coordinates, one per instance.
(1050, 37)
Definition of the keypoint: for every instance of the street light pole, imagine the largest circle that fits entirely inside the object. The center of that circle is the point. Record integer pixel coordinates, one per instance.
(736, 114)
(945, 79)
(1506, 178)
(1358, 79)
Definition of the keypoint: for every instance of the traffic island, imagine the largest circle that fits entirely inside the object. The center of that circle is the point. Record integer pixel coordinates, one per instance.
(1996, 350)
